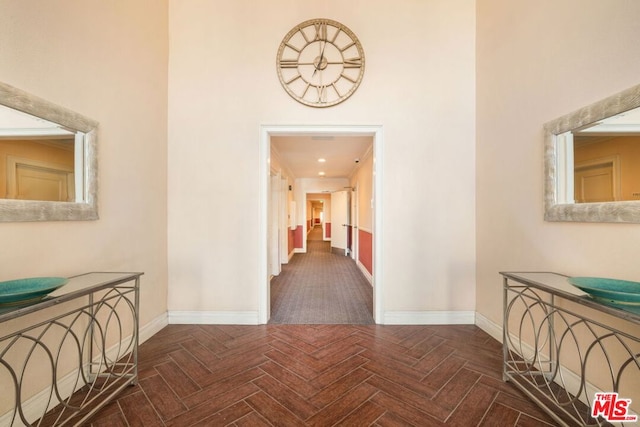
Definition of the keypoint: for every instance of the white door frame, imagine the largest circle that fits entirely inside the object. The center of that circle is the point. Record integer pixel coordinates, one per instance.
(266, 132)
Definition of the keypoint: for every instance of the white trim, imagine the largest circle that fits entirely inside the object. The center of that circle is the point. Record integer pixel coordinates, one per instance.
(153, 327)
(214, 318)
(429, 318)
(364, 271)
(265, 132)
(489, 327)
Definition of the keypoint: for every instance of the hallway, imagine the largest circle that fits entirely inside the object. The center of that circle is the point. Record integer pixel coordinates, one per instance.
(319, 287)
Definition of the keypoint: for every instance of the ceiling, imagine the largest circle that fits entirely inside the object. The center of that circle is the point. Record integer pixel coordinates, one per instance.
(300, 154)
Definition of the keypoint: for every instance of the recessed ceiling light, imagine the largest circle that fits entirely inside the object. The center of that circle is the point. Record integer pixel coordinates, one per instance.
(322, 160)
(321, 173)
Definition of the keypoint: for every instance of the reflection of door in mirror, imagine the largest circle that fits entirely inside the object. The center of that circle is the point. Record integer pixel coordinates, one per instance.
(595, 182)
(608, 167)
(37, 169)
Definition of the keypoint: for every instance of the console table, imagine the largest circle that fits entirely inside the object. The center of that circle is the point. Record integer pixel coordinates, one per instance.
(559, 344)
(67, 355)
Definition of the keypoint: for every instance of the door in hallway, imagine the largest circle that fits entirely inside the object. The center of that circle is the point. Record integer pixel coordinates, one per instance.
(340, 216)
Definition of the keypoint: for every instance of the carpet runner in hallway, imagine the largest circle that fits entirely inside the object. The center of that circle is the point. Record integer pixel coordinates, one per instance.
(319, 287)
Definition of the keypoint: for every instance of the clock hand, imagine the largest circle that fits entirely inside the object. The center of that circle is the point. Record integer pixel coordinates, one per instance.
(319, 59)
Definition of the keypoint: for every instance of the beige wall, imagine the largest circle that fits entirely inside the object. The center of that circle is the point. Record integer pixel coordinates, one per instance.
(538, 61)
(418, 84)
(107, 61)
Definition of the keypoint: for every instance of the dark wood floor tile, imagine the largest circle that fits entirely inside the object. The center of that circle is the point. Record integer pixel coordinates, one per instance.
(400, 409)
(472, 408)
(115, 419)
(364, 415)
(246, 336)
(500, 415)
(214, 334)
(338, 350)
(288, 398)
(424, 347)
(328, 335)
(337, 371)
(179, 382)
(451, 393)
(443, 373)
(204, 354)
(162, 397)
(288, 378)
(339, 388)
(257, 346)
(148, 370)
(156, 354)
(389, 351)
(529, 421)
(522, 404)
(504, 386)
(109, 415)
(380, 333)
(293, 364)
(340, 408)
(189, 365)
(303, 357)
(232, 366)
(401, 375)
(212, 406)
(389, 419)
(295, 341)
(252, 420)
(169, 336)
(491, 368)
(227, 416)
(138, 411)
(416, 334)
(434, 358)
(236, 375)
(226, 385)
(273, 411)
(419, 401)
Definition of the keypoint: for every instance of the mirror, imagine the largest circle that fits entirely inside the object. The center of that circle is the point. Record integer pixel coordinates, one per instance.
(592, 162)
(48, 164)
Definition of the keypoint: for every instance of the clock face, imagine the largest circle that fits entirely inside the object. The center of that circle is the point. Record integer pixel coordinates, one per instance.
(320, 63)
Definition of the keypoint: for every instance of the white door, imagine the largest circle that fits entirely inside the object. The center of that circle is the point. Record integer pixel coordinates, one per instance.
(274, 226)
(339, 221)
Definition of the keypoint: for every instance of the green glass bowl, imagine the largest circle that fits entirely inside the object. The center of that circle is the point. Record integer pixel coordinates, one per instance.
(24, 291)
(619, 292)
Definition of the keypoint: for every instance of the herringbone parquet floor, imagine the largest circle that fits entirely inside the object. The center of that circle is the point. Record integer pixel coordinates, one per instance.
(321, 375)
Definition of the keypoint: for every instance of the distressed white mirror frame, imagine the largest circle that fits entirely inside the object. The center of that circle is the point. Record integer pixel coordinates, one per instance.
(29, 210)
(555, 181)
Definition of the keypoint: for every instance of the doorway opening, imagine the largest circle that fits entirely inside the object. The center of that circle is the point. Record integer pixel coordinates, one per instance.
(268, 252)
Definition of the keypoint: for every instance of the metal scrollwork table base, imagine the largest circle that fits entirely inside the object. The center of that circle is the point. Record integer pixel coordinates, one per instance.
(66, 356)
(561, 347)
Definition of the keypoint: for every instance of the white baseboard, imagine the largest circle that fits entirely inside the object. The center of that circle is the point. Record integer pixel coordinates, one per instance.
(366, 273)
(153, 327)
(489, 327)
(429, 318)
(213, 318)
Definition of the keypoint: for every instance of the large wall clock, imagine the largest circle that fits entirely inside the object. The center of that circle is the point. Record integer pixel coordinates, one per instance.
(320, 63)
